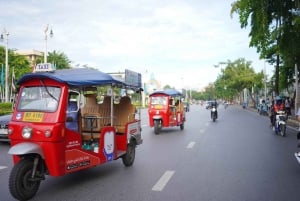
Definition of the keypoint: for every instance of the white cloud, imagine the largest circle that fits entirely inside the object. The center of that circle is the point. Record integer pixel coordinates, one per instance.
(178, 39)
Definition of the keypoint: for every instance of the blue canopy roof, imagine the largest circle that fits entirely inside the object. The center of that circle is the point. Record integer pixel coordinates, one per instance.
(74, 77)
(170, 92)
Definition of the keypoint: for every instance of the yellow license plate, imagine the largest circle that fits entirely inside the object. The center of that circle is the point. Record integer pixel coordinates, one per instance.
(158, 106)
(33, 116)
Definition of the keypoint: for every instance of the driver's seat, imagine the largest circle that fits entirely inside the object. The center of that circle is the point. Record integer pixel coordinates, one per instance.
(72, 116)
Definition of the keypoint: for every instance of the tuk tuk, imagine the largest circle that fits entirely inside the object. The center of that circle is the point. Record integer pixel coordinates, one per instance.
(166, 109)
(68, 120)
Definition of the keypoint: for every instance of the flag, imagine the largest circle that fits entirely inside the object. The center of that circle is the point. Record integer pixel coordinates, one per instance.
(13, 79)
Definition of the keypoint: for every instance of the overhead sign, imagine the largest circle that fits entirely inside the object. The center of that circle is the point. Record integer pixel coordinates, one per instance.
(133, 79)
(44, 67)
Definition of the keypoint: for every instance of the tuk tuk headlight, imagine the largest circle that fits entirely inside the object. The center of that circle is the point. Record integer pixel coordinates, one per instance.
(27, 132)
(48, 133)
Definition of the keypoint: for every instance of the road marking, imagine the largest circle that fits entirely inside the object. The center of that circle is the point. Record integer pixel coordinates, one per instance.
(190, 145)
(2, 167)
(202, 131)
(162, 182)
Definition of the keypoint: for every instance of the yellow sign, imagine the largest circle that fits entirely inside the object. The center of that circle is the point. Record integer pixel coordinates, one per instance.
(33, 116)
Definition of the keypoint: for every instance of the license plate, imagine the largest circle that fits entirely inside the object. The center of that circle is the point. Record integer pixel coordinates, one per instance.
(3, 131)
(33, 116)
(158, 106)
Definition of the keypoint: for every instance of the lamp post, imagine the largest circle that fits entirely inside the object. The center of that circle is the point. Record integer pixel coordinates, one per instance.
(46, 38)
(4, 35)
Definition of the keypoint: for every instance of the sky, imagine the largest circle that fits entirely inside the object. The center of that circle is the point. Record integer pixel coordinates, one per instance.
(177, 42)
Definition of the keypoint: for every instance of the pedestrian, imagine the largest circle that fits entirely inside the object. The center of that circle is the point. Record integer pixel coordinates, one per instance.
(287, 105)
(298, 135)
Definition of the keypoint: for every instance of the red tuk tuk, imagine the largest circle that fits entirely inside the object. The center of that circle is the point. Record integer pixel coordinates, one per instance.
(166, 109)
(59, 127)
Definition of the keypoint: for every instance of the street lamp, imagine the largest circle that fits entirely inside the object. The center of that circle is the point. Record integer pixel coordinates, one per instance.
(46, 38)
(4, 35)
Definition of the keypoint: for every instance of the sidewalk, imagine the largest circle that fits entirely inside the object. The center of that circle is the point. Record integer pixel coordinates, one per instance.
(292, 121)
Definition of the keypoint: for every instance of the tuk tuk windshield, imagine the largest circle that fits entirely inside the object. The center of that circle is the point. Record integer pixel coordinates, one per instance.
(159, 102)
(39, 98)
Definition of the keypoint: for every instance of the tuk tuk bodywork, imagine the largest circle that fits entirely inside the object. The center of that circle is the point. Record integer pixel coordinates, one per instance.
(166, 109)
(39, 134)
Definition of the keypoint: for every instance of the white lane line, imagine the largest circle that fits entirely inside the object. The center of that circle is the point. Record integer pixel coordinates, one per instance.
(2, 167)
(162, 182)
(190, 145)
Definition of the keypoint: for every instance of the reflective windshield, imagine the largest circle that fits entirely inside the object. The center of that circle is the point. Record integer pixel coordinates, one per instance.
(158, 102)
(39, 98)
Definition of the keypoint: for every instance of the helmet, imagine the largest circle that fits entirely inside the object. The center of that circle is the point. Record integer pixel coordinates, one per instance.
(278, 100)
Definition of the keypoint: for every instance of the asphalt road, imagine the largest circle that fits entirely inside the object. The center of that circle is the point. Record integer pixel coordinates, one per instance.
(236, 158)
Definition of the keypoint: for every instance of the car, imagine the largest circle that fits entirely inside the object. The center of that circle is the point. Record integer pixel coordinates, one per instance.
(4, 120)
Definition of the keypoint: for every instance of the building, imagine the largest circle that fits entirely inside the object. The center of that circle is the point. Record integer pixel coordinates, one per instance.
(31, 55)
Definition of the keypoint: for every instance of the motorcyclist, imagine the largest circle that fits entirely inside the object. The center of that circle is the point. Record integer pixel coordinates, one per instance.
(263, 107)
(214, 104)
(276, 106)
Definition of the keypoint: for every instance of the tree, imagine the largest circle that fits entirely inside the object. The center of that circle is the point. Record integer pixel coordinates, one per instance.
(17, 63)
(274, 31)
(59, 59)
(236, 76)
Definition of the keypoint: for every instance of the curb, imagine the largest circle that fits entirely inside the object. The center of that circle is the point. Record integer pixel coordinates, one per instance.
(292, 123)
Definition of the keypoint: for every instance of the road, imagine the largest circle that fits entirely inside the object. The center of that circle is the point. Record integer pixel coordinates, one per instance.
(236, 158)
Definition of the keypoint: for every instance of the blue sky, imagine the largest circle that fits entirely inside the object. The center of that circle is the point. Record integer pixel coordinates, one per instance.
(178, 41)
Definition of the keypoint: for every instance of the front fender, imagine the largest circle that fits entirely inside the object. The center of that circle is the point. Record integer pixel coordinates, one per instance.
(281, 122)
(26, 148)
(157, 117)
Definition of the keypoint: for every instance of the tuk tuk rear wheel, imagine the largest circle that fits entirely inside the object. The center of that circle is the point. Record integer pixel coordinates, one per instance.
(21, 185)
(156, 127)
(181, 126)
(129, 157)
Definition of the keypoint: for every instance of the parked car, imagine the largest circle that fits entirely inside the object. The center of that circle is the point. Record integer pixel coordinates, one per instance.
(4, 120)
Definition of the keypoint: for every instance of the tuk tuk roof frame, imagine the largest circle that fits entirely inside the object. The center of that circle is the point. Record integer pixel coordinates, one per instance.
(169, 92)
(78, 77)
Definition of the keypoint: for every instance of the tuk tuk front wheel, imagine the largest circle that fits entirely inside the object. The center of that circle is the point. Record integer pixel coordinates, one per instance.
(181, 126)
(129, 157)
(21, 184)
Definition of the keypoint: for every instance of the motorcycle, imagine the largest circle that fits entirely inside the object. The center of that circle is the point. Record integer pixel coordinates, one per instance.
(280, 123)
(297, 154)
(263, 110)
(214, 113)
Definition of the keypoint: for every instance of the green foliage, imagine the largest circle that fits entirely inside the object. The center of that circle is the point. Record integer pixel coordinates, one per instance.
(20, 64)
(5, 108)
(58, 58)
(274, 31)
(236, 76)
